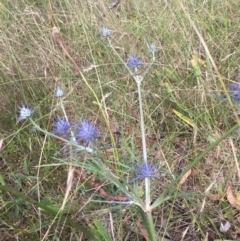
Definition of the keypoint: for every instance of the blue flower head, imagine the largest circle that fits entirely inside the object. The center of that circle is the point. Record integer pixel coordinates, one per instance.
(61, 126)
(24, 112)
(133, 62)
(59, 92)
(105, 31)
(145, 171)
(86, 131)
(235, 90)
(152, 47)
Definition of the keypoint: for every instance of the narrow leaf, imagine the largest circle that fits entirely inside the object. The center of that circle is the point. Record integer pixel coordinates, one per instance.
(185, 119)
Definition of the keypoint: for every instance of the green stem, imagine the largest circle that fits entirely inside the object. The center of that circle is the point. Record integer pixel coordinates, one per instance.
(144, 146)
(153, 236)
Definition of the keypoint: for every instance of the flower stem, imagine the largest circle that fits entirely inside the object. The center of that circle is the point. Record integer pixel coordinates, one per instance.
(153, 236)
(147, 179)
(142, 123)
(57, 137)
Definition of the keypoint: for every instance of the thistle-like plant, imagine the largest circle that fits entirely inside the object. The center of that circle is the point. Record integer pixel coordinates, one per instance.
(72, 135)
(61, 127)
(86, 131)
(24, 113)
(145, 170)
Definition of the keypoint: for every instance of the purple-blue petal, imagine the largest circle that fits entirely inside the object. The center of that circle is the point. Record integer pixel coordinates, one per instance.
(145, 170)
(61, 126)
(133, 62)
(86, 131)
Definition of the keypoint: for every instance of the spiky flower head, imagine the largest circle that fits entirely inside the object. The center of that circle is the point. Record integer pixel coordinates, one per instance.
(86, 131)
(105, 31)
(61, 126)
(235, 90)
(59, 92)
(24, 112)
(152, 47)
(133, 62)
(145, 170)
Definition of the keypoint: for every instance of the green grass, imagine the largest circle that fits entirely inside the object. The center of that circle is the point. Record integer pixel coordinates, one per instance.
(32, 65)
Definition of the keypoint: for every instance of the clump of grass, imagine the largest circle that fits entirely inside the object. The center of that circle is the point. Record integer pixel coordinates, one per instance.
(57, 184)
